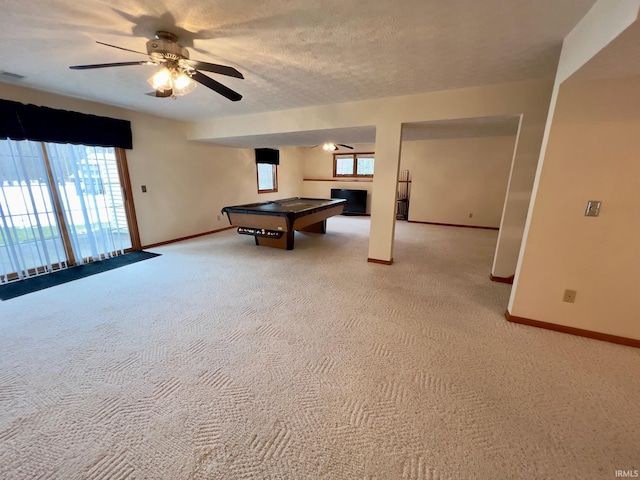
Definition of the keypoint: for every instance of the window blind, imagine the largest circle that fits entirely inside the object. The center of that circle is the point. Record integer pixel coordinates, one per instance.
(268, 155)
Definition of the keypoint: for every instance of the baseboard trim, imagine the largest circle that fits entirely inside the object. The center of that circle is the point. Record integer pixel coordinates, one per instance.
(454, 225)
(605, 337)
(508, 280)
(381, 262)
(187, 238)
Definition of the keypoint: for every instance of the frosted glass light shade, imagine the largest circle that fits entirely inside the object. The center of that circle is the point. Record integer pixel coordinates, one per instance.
(182, 84)
(161, 80)
(172, 80)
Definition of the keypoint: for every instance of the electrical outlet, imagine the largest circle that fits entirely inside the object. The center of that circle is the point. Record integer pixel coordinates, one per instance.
(471, 215)
(569, 296)
(218, 217)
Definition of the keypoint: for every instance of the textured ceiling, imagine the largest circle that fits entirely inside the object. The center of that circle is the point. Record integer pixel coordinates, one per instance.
(293, 53)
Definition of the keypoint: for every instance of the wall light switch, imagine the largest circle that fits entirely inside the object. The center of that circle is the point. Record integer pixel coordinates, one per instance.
(144, 189)
(593, 208)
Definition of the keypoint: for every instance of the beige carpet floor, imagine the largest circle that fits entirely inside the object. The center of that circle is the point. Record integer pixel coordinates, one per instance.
(223, 360)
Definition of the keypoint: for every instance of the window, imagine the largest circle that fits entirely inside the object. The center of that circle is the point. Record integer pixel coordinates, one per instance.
(353, 164)
(61, 205)
(267, 177)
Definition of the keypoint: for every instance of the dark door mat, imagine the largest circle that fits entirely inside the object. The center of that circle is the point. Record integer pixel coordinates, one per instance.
(22, 287)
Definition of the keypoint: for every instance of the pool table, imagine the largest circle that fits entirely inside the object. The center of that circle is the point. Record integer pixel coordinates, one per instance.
(273, 224)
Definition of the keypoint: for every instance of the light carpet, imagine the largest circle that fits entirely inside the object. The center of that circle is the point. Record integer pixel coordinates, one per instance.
(224, 360)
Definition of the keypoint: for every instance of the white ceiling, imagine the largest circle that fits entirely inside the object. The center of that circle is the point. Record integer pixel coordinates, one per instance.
(496, 126)
(352, 135)
(293, 53)
(619, 59)
(441, 129)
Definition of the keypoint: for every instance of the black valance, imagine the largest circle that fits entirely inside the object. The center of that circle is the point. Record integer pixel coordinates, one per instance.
(43, 124)
(268, 155)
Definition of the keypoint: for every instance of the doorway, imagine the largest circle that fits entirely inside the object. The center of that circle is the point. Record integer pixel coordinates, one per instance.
(62, 205)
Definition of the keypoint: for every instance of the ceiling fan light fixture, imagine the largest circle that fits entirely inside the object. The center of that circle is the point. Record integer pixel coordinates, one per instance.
(174, 80)
(161, 80)
(329, 147)
(183, 84)
(177, 74)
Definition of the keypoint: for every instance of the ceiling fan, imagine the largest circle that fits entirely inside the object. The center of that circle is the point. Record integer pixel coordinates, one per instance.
(330, 147)
(178, 74)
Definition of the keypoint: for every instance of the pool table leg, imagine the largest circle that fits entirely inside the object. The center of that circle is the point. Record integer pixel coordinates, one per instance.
(319, 227)
(289, 236)
(286, 241)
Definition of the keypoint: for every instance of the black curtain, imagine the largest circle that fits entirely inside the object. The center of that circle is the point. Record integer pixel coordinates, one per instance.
(268, 155)
(43, 124)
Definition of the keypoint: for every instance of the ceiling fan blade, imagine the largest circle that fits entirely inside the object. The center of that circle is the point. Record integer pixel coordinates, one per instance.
(216, 86)
(104, 65)
(345, 146)
(121, 48)
(215, 68)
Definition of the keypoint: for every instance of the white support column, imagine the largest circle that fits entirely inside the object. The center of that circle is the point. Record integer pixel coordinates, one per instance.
(385, 186)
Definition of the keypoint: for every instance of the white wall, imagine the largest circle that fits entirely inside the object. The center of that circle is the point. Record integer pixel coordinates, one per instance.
(290, 173)
(589, 150)
(592, 154)
(187, 182)
(453, 178)
(318, 173)
(529, 99)
(450, 178)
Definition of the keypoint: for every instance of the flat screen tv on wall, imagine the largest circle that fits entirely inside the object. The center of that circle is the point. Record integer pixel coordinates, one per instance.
(356, 200)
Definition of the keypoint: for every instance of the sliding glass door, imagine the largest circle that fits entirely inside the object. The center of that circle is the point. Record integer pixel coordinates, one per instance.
(61, 205)
(29, 230)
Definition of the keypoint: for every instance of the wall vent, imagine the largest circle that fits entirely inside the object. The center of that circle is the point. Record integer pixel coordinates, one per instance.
(12, 76)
